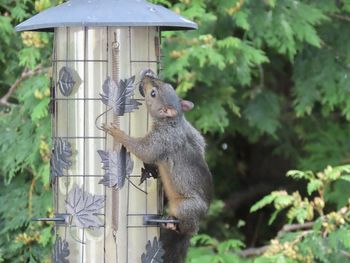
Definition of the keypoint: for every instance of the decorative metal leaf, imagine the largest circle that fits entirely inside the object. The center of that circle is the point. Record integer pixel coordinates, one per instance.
(60, 157)
(84, 208)
(61, 251)
(66, 81)
(119, 96)
(149, 170)
(154, 252)
(117, 166)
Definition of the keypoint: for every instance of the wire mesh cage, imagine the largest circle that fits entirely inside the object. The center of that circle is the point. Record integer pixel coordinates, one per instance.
(86, 62)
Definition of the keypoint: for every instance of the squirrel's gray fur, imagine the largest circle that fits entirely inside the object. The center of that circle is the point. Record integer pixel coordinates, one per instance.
(178, 150)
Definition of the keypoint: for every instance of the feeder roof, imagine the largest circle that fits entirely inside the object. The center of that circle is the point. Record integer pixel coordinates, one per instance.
(94, 13)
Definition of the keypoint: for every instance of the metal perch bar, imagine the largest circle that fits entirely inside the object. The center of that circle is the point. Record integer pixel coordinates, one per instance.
(157, 220)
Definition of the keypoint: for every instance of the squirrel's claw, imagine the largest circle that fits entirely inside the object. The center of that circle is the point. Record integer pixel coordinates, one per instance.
(115, 126)
(171, 226)
(108, 129)
(104, 127)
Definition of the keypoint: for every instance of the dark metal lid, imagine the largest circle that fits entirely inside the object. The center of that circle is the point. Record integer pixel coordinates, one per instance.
(94, 13)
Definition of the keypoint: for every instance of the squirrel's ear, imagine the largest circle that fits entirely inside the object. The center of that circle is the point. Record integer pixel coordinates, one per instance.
(186, 105)
(168, 112)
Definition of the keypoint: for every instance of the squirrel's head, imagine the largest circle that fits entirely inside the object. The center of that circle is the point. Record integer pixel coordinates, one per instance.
(161, 98)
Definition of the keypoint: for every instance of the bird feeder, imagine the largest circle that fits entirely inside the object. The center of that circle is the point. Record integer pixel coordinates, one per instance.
(100, 48)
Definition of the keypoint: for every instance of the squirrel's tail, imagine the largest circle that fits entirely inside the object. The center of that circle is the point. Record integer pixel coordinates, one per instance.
(175, 246)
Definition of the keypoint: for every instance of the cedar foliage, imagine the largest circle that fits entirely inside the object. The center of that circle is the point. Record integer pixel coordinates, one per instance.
(270, 81)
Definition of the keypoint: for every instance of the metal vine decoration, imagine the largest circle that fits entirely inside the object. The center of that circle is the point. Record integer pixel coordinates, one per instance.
(67, 79)
(117, 165)
(84, 208)
(60, 158)
(61, 251)
(154, 252)
(119, 96)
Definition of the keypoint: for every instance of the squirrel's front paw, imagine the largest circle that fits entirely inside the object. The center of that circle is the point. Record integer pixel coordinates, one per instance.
(113, 129)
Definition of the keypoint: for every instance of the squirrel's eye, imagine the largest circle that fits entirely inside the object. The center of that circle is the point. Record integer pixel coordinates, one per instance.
(153, 93)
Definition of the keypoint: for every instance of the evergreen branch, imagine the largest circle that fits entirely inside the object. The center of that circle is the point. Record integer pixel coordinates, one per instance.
(30, 197)
(262, 76)
(253, 251)
(293, 227)
(5, 8)
(346, 254)
(236, 8)
(258, 251)
(341, 17)
(26, 73)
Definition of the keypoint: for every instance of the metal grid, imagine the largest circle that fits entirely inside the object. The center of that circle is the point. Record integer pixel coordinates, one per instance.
(63, 110)
(82, 139)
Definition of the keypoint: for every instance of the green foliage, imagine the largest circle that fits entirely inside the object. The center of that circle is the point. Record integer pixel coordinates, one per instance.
(279, 198)
(329, 239)
(272, 71)
(209, 250)
(316, 85)
(263, 112)
(25, 140)
(302, 209)
(332, 248)
(326, 239)
(206, 57)
(293, 23)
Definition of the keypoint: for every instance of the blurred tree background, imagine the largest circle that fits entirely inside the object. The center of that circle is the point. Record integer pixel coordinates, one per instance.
(271, 83)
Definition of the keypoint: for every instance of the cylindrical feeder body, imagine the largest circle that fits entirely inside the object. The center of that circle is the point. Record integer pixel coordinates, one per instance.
(99, 51)
(84, 59)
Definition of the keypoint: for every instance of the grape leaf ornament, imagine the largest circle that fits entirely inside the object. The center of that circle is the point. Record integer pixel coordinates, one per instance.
(61, 251)
(60, 157)
(119, 96)
(67, 79)
(117, 165)
(154, 252)
(84, 208)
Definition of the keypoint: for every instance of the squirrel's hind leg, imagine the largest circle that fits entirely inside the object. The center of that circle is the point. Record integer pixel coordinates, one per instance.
(189, 212)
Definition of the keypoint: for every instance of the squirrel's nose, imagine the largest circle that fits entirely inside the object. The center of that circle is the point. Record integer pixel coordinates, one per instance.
(147, 73)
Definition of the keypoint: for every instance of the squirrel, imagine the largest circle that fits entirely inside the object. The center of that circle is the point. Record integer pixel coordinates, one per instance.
(177, 149)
